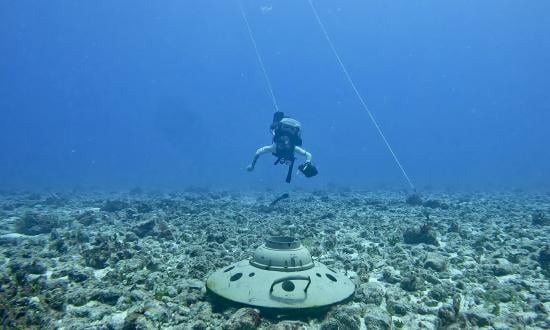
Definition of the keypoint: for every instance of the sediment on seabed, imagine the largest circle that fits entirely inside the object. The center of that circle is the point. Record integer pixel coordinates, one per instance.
(139, 260)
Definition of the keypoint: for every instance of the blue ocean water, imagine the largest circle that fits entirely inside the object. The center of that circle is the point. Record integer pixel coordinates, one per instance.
(117, 94)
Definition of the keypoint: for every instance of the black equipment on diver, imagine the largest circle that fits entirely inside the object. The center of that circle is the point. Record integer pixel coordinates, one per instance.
(308, 169)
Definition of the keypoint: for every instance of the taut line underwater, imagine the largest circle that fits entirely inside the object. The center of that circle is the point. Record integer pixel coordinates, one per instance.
(348, 77)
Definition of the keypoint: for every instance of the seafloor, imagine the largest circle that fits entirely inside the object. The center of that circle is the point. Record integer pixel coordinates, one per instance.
(139, 260)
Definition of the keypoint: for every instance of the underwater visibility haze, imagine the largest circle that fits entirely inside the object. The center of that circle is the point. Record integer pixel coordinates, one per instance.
(140, 93)
(132, 194)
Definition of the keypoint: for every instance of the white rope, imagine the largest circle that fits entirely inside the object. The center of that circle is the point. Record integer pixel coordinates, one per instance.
(266, 77)
(363, 103)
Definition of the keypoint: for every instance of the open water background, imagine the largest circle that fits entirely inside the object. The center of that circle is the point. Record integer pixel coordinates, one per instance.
(117, 94)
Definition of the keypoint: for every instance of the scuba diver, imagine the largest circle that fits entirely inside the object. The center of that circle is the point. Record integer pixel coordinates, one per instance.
(286, 142)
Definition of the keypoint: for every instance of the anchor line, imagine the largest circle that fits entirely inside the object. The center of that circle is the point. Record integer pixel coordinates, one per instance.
(361, 99)
(258, 56)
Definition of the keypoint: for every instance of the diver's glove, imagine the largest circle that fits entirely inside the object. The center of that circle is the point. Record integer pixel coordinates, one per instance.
(250, 168)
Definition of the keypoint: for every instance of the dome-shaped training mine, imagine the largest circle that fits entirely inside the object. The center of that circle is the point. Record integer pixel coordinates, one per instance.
(282, 275)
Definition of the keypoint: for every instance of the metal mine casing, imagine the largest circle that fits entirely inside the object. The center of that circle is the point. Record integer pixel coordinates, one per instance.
(282, 275)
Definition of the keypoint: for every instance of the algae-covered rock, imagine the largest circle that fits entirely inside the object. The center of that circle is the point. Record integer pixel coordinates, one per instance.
(218, 237)
(397, 308)
(477, 318)
(243, 319)
(35, 267)
(412, 283)
(502, 267)
(35, 224)
(391, 276)
(438, 293)
(77, 275)
(341, 318)
(373, 293)
(144, 228)
(55, 299)
(23, 268)
(424, 234)
(544, 260)
(87, 218)
(435, 204)
(78, 297)
(289, 325)
(114, 206)
(199, 325)
(446, 315)
(436, 262)
(378, 319)
(538, 218)
(502, 294)
(96, 257)
(109, 297)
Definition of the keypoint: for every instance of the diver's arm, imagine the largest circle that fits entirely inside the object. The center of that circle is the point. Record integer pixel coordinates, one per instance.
(303, 152)
(259, 152)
